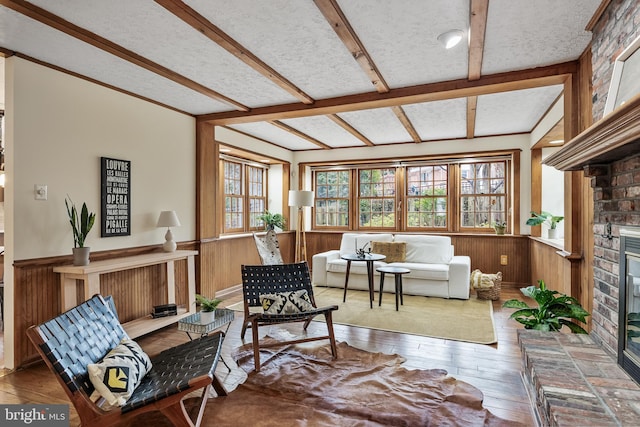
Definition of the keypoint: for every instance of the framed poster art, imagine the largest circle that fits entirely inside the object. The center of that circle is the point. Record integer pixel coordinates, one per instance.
(115, 197)
(625, 81)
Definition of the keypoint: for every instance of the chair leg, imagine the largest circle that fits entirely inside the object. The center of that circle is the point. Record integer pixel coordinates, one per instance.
(306, 324)
(332, 339)
(256, 346)
(244, 329)
(177, 414)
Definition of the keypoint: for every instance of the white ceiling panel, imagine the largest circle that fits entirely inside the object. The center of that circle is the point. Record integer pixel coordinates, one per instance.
(293, 37)
(269, 132)
(325, 130)
(380, 126)
(524, 34)
(439, 119)
(148, 29)
(40, 41)
(401, 37)
(514, 112)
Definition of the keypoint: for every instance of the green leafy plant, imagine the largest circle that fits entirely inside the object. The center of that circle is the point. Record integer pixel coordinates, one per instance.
(82, 224)
(207, 304)
(539, 218)
(272, 220)
(553, 312)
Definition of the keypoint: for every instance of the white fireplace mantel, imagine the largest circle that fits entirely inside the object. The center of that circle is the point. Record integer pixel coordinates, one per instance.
(615, 137)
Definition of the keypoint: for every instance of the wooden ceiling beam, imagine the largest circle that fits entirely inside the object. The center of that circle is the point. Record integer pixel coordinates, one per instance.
(477, 30)
(472, 103)
(296, 132)
(404, 119)
(503, 82)
(214, 33)
(332, 13)
(54, 21)
(353, 131)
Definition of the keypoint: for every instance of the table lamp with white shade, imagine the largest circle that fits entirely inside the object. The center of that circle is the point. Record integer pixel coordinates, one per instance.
(168, 219)
(300, 199)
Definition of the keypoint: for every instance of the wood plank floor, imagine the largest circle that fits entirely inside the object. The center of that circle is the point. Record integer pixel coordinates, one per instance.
(494, 369)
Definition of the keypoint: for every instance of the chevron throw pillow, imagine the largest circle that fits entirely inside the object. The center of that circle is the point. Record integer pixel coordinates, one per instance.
(120, 372)
(286, 302)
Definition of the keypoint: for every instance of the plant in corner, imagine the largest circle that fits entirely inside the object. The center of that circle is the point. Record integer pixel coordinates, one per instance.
(553, 312)
(272, 220)
(81, 226)
(545, 217)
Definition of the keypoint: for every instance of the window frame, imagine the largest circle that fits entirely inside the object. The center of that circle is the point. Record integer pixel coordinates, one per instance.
(245, 197)
(511, 158)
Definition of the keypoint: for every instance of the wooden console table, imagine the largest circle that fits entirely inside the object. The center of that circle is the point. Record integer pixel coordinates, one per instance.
(90, 277)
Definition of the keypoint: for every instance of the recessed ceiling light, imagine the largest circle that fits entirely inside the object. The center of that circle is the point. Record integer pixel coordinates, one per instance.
(557, 142)
(265, 160)
(451, 38)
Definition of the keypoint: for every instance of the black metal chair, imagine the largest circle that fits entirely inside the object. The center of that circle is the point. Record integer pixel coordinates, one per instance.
(270, 279)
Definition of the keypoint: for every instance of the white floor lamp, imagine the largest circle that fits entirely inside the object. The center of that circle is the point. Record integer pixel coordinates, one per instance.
(300, 199)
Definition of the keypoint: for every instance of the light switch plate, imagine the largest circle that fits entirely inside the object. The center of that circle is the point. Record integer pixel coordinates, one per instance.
(40, 192)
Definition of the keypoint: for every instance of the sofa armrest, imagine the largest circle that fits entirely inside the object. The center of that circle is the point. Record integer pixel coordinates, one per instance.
(319, 271)
(459, 276)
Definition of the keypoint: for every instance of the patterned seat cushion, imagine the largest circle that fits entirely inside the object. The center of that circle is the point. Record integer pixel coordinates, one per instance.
(120, 372)
(286, 302)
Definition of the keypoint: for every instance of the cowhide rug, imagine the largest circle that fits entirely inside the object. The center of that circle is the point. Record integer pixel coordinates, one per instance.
(303, 386)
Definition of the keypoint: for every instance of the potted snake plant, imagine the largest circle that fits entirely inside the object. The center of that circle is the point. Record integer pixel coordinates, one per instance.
(81, 225)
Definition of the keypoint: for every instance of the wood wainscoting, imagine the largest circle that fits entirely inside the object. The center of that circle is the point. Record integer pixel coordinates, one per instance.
(38, 294)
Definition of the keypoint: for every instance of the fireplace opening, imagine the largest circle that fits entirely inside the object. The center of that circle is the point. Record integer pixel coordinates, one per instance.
(629, 310)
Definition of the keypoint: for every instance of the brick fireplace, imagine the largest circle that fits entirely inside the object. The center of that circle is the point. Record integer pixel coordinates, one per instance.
(609, 153)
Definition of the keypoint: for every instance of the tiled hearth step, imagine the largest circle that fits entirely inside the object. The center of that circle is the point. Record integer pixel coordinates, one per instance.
(573, 381)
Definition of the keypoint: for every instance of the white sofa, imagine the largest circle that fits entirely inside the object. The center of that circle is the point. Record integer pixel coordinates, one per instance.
(435, 270)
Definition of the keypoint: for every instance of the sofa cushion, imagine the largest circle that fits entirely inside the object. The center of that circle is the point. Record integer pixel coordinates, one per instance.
(394, 251)
(351, 242)
(357, 267)
(427, 249)
(425, 271)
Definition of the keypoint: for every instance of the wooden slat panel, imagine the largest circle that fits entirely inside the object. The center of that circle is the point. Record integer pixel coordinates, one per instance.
(485, 252)
(221, 260)
(37, 292)
(547, 265)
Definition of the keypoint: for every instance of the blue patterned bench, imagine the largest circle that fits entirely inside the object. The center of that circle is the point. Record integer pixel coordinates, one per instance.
(86, 333)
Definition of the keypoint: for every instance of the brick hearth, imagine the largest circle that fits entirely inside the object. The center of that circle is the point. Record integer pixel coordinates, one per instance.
(572, 381)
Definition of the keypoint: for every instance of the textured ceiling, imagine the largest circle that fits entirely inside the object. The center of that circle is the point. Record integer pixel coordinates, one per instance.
(268, 68)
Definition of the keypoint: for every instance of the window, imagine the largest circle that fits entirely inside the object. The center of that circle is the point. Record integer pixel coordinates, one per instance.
(483, 194)
(377, 198)
(332, 198)
(427, 196)
(422, 195)
(244, 196)
(257, 197)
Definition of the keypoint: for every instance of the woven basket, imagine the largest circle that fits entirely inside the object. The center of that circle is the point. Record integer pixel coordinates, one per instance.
(492, 294)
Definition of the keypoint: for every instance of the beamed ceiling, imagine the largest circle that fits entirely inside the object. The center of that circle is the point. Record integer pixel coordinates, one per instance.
(323, 74)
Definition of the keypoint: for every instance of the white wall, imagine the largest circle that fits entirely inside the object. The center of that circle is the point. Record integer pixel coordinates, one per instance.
(552, 192)
(62, 125)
